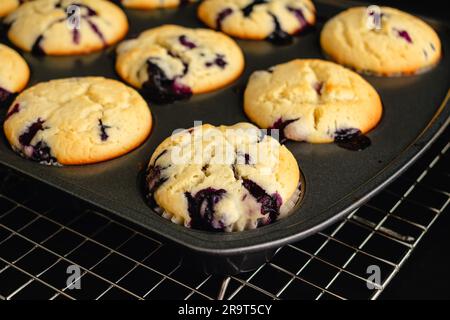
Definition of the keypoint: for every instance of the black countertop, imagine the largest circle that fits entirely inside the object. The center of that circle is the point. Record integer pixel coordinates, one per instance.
(425, 274)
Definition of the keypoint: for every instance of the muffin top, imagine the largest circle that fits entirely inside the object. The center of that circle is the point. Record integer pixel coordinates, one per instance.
(385, 41)
(66, 27)
(226, 178)
(312, 100)
(77, 121)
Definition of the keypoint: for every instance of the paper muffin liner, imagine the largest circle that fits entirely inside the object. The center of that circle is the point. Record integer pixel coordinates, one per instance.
(177, 220)
(242, 225)
(289, 205)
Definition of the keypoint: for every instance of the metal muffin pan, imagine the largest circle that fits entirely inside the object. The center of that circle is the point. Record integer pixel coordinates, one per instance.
(416, 111)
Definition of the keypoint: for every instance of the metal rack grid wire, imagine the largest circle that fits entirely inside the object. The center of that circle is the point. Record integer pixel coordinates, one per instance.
(44, 231)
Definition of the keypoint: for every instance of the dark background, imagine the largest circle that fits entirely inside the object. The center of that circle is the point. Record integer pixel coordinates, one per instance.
(426, 274)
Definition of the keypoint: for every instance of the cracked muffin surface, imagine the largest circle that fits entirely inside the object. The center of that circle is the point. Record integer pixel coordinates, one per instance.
(66, 27)
(171, 62)
(77, 121)
(389, 42)
(14, 72)
(312, 100)
(227, 178)
(272, 20)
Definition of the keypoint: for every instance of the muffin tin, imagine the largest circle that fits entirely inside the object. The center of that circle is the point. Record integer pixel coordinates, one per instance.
(416, 111)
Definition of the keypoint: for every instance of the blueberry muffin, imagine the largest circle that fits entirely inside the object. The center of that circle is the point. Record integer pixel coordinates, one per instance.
(387, 43)
(223, 178)
(14, 73)
(66, 27)
(77, 121)
(154, 4)
(171, 62)
(273, 20)
(312, 100)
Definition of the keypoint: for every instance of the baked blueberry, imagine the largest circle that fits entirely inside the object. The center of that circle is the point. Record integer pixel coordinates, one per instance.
(218, 61)
(201, 208)
(351, 139)
(28, 135)
(161, 89)
(279, 36)
(254, 185)
(172, 63)
(221, 16)
(247, 10)
(272, 20)
(280, 125)
(270, 204)
(186, 42)
(103, 134)
(404, 34)
(40, 153)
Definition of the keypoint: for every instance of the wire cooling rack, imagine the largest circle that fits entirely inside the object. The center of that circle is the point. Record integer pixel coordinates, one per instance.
(43, 232)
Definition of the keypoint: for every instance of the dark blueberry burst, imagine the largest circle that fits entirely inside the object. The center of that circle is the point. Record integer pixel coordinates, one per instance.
(40, 151)
(103, 134)
(351, 139)
(298, 13)
(280, 125)
(279, 36)
(270, 204)
(186, 42)
(219, 61)
(162, 89)
(154, 179)
(247, 10)
(222, 16)
(29, 134)
(201, 208)
(404, 35)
